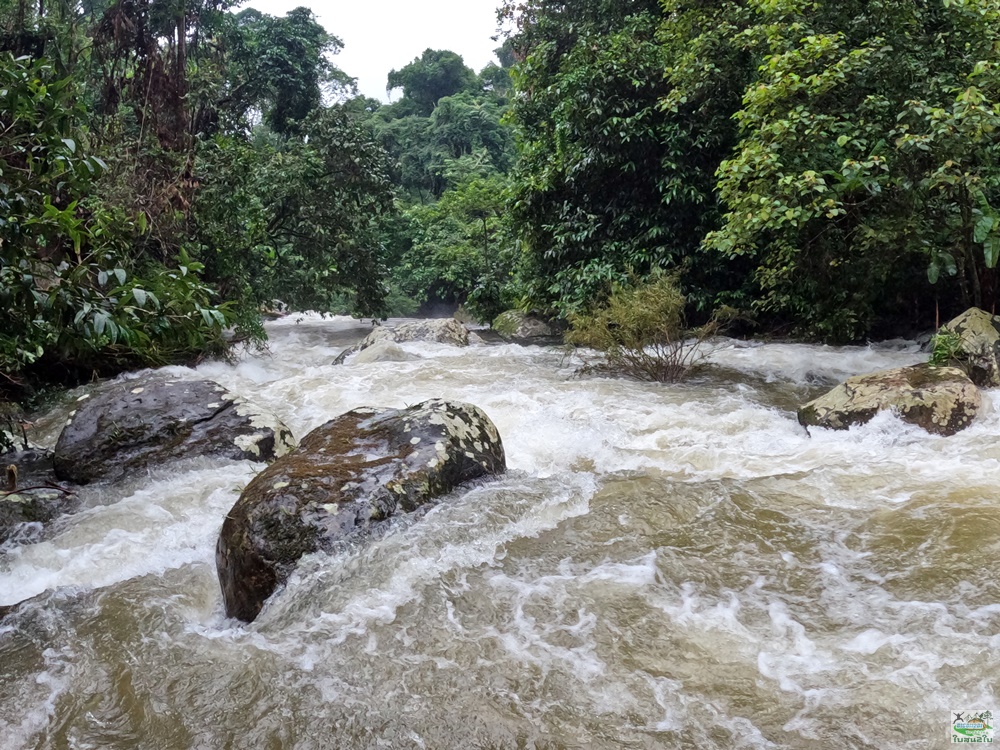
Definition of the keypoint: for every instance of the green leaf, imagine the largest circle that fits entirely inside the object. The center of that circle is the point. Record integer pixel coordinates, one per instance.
(983, 227)
(100, 321)
(70, 144)
(140, 296)
(933, 272)
(991, 249)
(120, 275)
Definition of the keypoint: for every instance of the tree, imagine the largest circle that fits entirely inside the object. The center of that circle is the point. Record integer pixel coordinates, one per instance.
(73, 298)
(858, 164)
(430, 77)
(611, 181)
(296, 219)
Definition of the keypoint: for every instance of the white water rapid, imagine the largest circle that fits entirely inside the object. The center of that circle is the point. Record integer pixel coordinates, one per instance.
(663, 566)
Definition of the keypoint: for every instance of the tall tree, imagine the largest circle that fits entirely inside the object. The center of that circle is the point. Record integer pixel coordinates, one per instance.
(431, 77)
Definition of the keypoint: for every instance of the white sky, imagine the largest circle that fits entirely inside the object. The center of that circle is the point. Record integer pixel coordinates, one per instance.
(380, 35)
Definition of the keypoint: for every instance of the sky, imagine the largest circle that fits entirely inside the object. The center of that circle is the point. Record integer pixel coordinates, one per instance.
(380, 35)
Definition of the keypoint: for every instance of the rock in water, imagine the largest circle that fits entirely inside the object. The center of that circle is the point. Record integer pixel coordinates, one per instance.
(346, 477)
(515, 325)
(979, 345)
(942, 400)
(441, 330)
(385, 351)
(128, 425)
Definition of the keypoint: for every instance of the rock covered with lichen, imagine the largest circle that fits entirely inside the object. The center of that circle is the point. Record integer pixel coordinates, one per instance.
(521, 327)
(942, 400)
(437, 330)
(128, 425)
(347, 478)
(977, 345)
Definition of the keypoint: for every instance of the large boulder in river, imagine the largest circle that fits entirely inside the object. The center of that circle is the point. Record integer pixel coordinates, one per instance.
(978, 342)
(439, 330)
(347, 478)
(128, 425)
(942, 400)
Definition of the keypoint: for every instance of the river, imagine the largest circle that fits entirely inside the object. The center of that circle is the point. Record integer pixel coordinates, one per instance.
(663, 566)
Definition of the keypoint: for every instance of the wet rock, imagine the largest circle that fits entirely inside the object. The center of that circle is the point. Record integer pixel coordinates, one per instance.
(515, 325)
(942, 400)
(384, 351)
(25, 513)
(346, 479)
(29, 497)
(440, 330)
(978, 345)
(127, 425)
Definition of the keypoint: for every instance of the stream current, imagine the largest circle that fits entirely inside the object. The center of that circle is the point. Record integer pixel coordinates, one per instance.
(663, 566)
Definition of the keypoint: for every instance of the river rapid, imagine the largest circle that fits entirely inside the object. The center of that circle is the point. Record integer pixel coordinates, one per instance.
(663, 566)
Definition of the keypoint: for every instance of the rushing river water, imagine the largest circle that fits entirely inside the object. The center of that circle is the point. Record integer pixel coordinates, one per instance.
(662, 567)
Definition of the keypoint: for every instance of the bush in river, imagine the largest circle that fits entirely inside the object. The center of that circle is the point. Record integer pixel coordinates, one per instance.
(640, 331)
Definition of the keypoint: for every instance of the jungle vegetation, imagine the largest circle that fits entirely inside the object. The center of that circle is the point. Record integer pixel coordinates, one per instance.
(830, 169)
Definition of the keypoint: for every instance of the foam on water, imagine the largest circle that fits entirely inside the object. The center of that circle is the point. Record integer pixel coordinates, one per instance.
(664, 566)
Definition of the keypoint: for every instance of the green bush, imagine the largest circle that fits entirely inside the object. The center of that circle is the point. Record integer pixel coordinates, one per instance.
(77, 293)
(640, 332)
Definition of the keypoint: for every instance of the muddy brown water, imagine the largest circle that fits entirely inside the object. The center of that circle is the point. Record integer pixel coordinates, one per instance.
(662, 567)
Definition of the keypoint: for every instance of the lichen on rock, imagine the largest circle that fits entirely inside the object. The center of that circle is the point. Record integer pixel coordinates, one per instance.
(440, 330)
(129, 424)
(345, 479)
(942, 400)
(978, 345)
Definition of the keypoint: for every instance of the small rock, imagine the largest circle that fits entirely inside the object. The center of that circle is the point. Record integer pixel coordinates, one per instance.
(514, 325)
(384, 351)
(942, 400)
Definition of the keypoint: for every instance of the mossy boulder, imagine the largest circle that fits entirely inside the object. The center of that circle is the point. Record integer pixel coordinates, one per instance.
(942, 400)
(128, 425)
(978, 351)
(438, 330)
(514, 325)
(347, 478)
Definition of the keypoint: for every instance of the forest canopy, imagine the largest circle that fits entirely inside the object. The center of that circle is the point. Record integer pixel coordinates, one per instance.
(167, 170)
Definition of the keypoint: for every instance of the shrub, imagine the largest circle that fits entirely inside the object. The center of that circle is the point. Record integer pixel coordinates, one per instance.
(640, 331)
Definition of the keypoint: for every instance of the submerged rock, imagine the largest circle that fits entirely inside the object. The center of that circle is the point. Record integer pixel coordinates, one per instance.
(24, 513)
(384, 351)
(978, 345)
(514, 325)
(942, 400)
(128, 425)
(29, 499)
(347, 477)
(439, 330)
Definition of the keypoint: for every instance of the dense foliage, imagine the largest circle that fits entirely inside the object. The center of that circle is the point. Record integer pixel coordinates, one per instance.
(451, 242)
(830, 165)
(167, 168)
